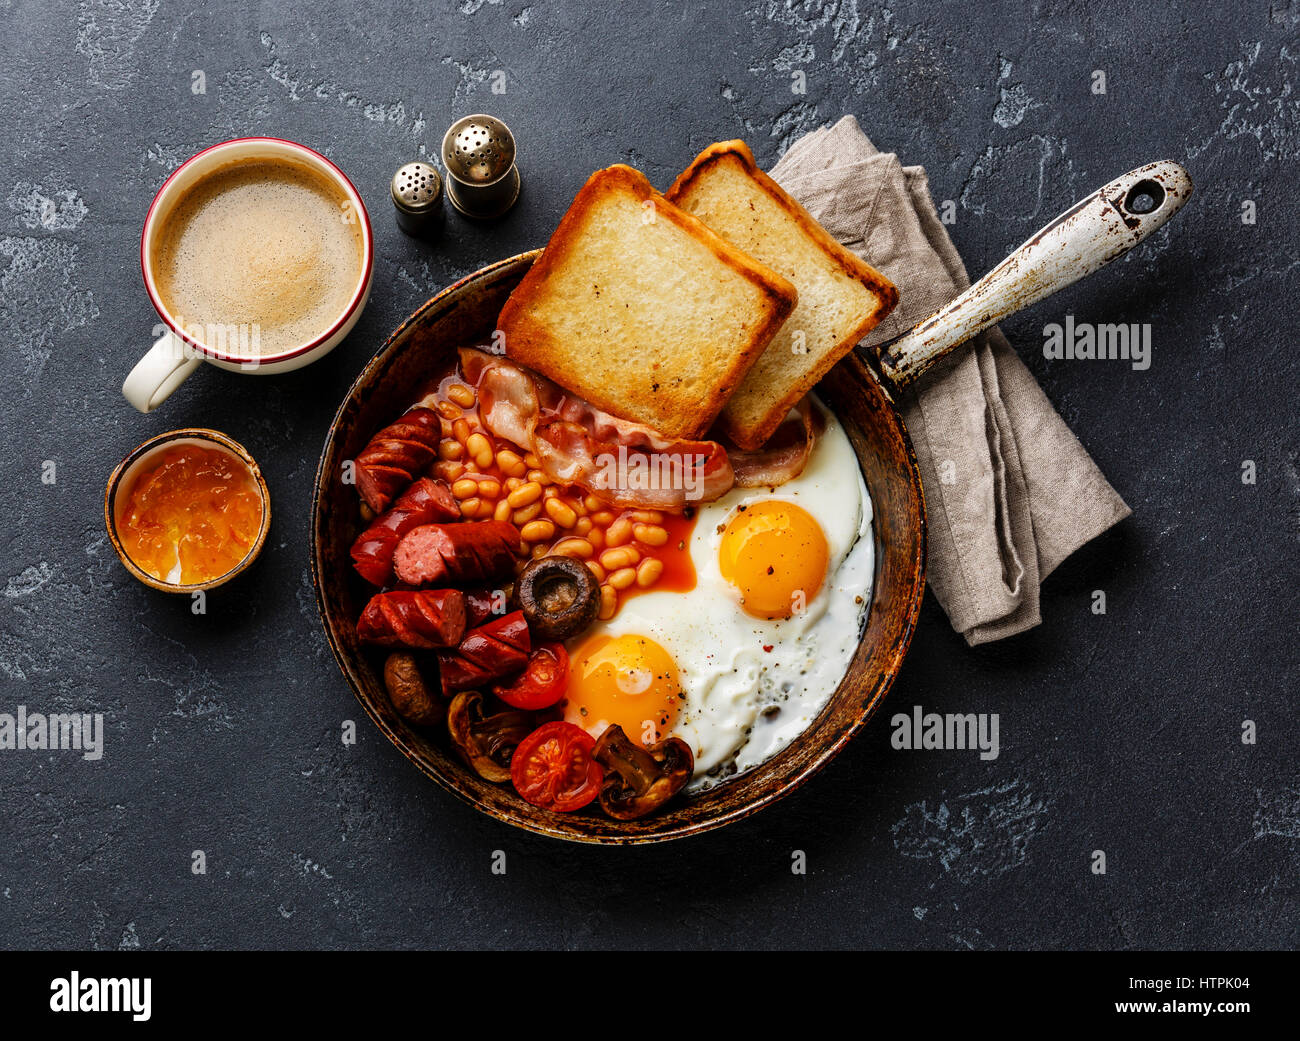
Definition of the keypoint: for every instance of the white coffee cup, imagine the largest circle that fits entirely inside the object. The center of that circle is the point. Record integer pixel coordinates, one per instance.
(177, 354)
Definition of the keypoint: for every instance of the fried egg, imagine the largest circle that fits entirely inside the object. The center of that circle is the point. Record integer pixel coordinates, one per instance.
(742, 663)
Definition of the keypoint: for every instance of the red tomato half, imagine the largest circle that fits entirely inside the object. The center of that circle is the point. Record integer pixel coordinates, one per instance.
(543, 681)
(553, 768)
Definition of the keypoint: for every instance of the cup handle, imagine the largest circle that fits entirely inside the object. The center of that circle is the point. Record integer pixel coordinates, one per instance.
(166, 366)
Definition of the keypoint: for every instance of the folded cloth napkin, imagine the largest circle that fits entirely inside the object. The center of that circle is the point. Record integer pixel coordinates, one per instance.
(1010, 491)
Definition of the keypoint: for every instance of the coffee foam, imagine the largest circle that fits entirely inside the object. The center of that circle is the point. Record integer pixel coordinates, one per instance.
(260, 255)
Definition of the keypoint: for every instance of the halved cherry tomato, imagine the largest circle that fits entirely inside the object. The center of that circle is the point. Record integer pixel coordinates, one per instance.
(553, 768)
(543, 681)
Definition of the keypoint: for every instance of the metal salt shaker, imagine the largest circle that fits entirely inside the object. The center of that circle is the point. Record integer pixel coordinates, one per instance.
(479, 155)
(417, 197)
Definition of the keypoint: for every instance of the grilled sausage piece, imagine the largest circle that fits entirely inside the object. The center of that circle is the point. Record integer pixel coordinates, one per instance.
(418, 618)
(484, 604)
(457, 554)
(426, 502)
(497, 649)
(396, 456)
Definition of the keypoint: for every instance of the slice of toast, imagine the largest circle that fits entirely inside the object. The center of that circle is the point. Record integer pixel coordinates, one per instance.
(642, 310)
(841, 297)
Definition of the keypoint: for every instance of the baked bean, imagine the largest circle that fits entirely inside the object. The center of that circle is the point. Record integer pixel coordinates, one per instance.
(501, 512)
(531, 461)
(582, 526)
(593, 504)
(448, 470)
(367, 514)
(622, 578)
(539, 477)
(460, 430)
(486, 509)
(561, 512)
(623, 556)
(596, 537)
(448, 410)
(469, 507)
(650, 534)
(525, 495)
(465, 488)
(538, 551)
(521, 517)
(619, 532)
(602, 517)
(596, 570)
(608, 603)
(461, 395)
(510, 463)
(490, 488)
(573, 546)
(450, 448)
(536, 531)
(481, 449)
(646, 516)
(513, 482)
(648, 572)
(444, 425)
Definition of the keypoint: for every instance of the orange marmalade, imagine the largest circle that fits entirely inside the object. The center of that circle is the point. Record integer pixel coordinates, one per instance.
(192, 514)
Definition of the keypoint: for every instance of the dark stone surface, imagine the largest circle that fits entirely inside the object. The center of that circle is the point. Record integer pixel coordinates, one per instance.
(1119, 732)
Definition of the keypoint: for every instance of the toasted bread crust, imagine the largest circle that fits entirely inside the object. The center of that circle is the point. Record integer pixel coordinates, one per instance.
(531, 342)
(753, 436)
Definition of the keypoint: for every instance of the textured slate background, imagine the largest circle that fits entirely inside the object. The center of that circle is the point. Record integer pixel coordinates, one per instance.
(1119, 732)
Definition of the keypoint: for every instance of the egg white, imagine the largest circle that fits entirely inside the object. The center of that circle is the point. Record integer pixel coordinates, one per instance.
(742, 703)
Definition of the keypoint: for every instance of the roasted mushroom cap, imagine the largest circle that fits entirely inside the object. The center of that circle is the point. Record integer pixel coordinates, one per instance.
(409, 693)
(559, 596)
(486, 743)
(639, 780)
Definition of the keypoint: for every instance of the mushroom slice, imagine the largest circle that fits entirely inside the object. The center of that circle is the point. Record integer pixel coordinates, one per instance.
(485, 742)
(639, 780)
(409, 693)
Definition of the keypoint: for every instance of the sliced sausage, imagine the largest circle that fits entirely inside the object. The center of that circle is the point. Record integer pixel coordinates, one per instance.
(457, 554)
(419, 618)
(427, 501)
(396, 456)
(483, 604)
(494, 650)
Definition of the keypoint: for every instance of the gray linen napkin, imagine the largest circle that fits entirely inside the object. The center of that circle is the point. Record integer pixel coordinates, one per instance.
(1011, 493)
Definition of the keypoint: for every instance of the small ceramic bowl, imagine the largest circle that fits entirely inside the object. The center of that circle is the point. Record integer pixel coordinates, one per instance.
(128, 469)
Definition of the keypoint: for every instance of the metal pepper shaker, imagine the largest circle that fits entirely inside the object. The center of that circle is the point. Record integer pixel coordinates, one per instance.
(417, 197)
(482, 178)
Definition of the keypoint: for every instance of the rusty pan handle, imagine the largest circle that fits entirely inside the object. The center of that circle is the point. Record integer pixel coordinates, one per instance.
(1087, 236)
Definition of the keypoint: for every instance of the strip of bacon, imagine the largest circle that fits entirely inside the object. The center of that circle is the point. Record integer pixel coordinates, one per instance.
(786, 452)
(625, 463)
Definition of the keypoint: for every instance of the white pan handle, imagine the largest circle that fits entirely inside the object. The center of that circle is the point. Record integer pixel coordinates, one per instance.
(1089, 235)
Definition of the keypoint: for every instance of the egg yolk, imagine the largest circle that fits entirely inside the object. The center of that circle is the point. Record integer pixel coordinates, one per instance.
(776, 555)
(629, 680)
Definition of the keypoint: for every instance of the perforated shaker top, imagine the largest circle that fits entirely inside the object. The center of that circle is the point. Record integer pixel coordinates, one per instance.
(478, 149)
